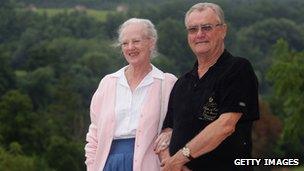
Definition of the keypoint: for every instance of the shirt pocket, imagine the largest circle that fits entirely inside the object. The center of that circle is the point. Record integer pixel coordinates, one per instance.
(209, 109)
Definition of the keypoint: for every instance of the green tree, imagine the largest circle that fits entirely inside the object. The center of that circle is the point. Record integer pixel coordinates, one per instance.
(17, 119)
(254, 42)
(177, 49)
(286, 74)
(113, 21)
(7, 77)
(65, 155)
(75, 24)
(266, 132)
(7, 16)
(38, 84)
(15, 160)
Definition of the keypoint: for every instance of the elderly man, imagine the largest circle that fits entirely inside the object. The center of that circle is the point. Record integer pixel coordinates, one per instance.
(212, 107)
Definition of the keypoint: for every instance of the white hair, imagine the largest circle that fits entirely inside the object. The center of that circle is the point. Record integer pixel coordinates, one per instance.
(203, 6)
(149, 31)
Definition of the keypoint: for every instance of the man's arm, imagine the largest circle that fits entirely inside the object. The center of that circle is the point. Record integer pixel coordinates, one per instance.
(212, 136)
(207, 140)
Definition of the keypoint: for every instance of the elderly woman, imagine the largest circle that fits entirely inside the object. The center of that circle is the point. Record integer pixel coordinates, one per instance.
(128, 107)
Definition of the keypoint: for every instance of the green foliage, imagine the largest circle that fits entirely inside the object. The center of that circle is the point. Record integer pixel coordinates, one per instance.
(14, 159)
(287, 75)
(39, 85)
(113, 21)
(7, 77)
(172, 9)
(177, 49)
(65, 155)
(17, 118)
(19, 123)
(7, 16)
(266, 132)
(256, 40)
(13, 162)
(99, 15)
(76, 24)
(163, 63)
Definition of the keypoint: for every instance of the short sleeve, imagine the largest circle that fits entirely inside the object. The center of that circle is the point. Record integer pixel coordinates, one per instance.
(168, 122)
(239, 91)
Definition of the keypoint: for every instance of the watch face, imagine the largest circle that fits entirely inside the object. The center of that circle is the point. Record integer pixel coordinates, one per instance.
(186, 151)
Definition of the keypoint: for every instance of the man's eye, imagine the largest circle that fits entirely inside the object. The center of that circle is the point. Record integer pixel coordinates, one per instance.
(192, 29)
(206, 28)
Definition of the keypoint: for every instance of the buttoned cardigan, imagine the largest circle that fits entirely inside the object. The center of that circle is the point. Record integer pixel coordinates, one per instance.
(101, 129)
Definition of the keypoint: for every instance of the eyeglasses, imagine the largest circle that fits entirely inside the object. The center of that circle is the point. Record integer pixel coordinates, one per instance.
(205, 28)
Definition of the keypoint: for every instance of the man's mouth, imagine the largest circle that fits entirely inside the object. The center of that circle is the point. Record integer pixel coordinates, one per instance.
(202, 42)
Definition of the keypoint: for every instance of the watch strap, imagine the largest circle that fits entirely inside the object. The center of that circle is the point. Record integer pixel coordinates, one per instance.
(190, 157)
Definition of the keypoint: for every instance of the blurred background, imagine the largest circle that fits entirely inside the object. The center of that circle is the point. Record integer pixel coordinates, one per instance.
(53, 54)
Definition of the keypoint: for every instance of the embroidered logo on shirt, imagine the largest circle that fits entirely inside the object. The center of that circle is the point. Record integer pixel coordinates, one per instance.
(210, 110)
(242, 104)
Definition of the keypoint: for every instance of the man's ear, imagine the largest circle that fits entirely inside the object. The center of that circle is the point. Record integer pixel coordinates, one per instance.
(225, 29)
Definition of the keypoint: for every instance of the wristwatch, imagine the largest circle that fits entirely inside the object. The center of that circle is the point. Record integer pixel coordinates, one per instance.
(186, 153)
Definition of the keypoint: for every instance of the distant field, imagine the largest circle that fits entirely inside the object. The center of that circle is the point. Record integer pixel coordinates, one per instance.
(98, 14)
(299, 168)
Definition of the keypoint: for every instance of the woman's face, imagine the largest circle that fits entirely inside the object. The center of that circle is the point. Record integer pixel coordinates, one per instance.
(136, 47)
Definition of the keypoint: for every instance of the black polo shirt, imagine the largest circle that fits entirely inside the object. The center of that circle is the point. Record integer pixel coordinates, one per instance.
(230, 85)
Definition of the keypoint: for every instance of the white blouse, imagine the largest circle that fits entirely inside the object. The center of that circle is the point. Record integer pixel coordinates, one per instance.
(128, 106)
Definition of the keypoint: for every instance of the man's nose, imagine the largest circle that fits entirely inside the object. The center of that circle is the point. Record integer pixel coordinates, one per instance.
(200, 33)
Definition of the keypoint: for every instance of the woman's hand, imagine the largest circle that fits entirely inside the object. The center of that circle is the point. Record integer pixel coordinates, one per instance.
(163, 140)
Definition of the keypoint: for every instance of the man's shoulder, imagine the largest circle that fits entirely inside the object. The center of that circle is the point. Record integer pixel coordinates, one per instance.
(241, 61)
(234, 64)
(234, 68)
(180, 82)
(183, 77)
(236, 61)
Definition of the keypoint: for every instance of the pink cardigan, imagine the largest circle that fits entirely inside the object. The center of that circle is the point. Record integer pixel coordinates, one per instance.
(101, 129)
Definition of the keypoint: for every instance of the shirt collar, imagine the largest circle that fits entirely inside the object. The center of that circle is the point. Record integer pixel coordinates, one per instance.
(155, 73)
(219, 62)
(148, 79)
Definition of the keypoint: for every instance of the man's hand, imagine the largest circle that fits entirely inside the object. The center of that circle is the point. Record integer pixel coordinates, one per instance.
(175, 163)
(185, 168)
(163, 155)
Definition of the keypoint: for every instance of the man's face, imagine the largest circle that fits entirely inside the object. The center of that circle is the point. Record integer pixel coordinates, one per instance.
(205, 32)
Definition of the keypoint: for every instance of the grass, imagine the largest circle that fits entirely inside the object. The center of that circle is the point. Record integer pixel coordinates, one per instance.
(98, 14)
(298, 168)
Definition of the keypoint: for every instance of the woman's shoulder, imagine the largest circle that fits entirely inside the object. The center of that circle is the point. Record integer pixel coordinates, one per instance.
(110, 77)
(170, 77)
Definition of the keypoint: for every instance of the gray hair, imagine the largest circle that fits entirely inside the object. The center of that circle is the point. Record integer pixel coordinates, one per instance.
(149, 31)
(203, 6)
